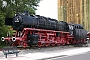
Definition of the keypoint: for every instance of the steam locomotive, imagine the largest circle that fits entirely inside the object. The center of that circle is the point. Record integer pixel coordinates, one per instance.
(36, 30)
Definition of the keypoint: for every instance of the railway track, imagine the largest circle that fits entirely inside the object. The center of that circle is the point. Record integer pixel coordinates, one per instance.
(50, 47)
(44, 47)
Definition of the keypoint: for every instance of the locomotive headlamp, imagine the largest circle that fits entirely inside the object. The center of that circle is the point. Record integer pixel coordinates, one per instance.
(87, 37)
(2, 39)
(17, 20)
(13, 39)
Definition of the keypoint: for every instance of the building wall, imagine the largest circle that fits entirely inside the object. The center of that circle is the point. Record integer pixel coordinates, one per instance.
(86, 14)
(75, 11)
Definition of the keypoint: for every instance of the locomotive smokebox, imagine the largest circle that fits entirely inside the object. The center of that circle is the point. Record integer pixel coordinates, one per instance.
(17, 22)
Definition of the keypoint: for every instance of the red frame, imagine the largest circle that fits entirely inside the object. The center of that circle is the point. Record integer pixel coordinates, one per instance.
(46, 38)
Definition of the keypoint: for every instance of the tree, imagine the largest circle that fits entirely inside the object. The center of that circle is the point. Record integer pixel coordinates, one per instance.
(8, 8)
(13, 6)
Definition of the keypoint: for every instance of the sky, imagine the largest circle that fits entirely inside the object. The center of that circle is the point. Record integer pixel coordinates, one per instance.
(48, 8)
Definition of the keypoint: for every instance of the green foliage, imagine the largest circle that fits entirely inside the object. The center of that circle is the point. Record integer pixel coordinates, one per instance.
(14, 6)
(8, 8)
